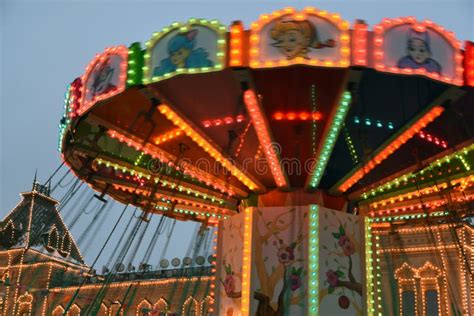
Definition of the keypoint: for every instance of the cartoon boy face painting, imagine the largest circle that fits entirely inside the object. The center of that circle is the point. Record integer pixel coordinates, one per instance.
(296, 38)
(419, 53)
(183, 54)
(102, 80)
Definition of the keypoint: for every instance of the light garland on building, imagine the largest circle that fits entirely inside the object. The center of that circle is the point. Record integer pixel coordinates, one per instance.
(18, 278)
(48, 283)
(23, 252)
(462, 274)
(11, 226)
(74, 310)
(126, 284)
(425, 285)
(428, 249)
(207, 300)
(118, 311)
(190, 300)
(427, 281)
(25, 299)
(428, 265)
(142, 305)
(58, 310)
(162, 301)
(405, 284)
(5, 278)
(66, 251)
(419, 229)
(53, 234)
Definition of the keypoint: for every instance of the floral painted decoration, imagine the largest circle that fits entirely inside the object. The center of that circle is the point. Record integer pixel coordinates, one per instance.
(333, 279)
(229, 282)
(344, 242)
(286, 254)
(296, 278)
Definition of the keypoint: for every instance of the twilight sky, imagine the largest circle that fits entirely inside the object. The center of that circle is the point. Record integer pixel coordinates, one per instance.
(44, 45)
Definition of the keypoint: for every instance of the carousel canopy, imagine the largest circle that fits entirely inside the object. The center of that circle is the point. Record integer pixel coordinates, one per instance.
(207, 116)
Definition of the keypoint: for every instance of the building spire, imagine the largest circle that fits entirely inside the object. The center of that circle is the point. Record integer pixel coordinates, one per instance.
(34, 180)
(39, 188)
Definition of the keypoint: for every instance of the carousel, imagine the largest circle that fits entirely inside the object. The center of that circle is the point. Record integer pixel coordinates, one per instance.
(309, 141)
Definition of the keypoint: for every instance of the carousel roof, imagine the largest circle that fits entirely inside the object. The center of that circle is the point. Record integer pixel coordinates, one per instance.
(244, 112)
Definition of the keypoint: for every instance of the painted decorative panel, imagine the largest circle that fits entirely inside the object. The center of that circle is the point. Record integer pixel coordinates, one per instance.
(340, 263)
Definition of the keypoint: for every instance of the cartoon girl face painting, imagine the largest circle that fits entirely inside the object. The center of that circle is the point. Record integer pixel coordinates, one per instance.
(102, 80)
(296, 38)
(419, 53)
(183, 54)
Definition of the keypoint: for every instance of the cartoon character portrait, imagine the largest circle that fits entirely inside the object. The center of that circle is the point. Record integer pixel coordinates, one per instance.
(296, 38)
(183, 54)
(102, 79)
(419, 53)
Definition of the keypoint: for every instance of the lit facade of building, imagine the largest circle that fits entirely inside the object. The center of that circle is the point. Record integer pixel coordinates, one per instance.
(43, 273)
(422, 268)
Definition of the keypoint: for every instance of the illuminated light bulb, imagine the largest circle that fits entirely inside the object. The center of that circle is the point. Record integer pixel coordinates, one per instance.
(304, 116)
